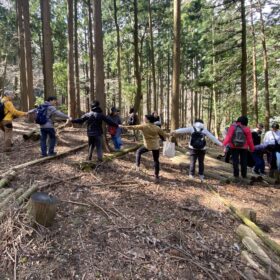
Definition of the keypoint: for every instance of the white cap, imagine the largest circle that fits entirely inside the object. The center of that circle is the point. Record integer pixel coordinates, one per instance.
(9, 93)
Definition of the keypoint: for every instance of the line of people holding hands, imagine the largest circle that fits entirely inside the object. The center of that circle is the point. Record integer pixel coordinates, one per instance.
(238, 140)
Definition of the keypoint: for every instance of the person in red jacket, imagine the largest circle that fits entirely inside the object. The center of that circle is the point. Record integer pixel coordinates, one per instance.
(239, 138)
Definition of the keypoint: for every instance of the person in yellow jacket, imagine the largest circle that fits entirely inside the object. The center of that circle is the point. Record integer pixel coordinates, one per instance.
(151, 134)
(10, 112)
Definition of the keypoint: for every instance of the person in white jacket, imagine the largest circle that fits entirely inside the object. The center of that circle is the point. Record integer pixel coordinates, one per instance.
(197, 145)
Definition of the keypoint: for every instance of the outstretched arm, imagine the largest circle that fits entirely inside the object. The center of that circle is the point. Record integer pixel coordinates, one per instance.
(212, 137)
(183, 130)
(81, 120)
(135, 127)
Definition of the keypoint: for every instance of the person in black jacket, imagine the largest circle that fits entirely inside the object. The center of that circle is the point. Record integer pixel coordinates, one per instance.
(94, 129)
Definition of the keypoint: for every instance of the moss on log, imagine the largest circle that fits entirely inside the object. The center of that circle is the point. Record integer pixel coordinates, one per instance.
(8, 177)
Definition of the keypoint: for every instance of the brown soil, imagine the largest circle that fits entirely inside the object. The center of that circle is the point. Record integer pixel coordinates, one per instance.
(132, 227)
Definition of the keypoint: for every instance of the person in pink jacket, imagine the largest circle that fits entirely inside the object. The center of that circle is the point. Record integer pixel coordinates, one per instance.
(239, 138)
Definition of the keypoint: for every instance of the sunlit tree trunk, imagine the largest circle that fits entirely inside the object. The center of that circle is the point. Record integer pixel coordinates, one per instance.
(77, 68)
(176, 65)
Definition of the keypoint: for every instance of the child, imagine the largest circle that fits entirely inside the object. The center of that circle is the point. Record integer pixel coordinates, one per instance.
(197, 145)
(151, 134)
(115, 132)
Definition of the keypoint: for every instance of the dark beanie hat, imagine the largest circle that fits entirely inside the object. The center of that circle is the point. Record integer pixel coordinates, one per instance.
(243, 120)
(150, 118)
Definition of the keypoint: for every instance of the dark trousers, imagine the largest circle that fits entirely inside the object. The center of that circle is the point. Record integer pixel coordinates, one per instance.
(239, 156)
(227, 154)
(95, 141)
(45, 134)
(143, 150)
(197, 155)
(259, 162)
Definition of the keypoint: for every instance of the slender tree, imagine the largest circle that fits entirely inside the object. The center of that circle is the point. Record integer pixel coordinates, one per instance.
(99, 59)
(176, 65)
(71, 77)
(91, 53)
(77, 68)
(47, 48)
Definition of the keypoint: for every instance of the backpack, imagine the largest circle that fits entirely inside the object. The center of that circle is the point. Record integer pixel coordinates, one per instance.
(2, 111)
(41, 114)
(198, 139)
(238, 138)
(112, 130)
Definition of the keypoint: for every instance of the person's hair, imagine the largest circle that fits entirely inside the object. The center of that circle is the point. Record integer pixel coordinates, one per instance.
(243, 120)
(8, 93)
(95, 104)
(131, 110)
(260, 125)
(150, 118)
(199, 120)
(51, 98)
(275, 126)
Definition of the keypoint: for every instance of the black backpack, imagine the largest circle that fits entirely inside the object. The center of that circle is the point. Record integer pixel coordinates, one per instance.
(41, 114)
(198, 141)
(2, 111)
(238, 138)
(132, 120)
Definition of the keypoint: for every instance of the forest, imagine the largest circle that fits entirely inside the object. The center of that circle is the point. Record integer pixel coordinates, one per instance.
(75, 203)
(185, 60)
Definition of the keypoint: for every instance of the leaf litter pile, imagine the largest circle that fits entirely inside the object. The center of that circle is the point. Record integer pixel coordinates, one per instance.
(116, 223)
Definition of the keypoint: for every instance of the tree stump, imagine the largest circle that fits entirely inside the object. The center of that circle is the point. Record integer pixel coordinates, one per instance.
(249, 213)
(43, 208)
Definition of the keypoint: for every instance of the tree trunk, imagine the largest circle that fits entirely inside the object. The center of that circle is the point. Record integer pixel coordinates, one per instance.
(22, 65)
(47, 48)
(176, 65)
(71, 77)
(77, 68)
(255, 79)
(91, 53)
(152, 57)
(28, 55)
(168, 92)
(118, 56)
(244, 61)
(265, 69)
(99, 61)
(138, 96)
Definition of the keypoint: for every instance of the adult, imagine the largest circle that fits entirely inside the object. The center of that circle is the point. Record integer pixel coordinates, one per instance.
(47, 129)
(157, 119)
(94, 121)
(133, 120)
(197, 145)
(10, 113)
(115, 132)
(272, 140)
(239, 138)
(151, 134)
(257, 134)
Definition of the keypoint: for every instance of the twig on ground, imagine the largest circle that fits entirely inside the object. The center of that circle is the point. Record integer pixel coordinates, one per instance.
(101, 209)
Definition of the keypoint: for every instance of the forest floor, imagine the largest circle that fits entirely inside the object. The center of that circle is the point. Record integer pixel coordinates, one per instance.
(130, 227)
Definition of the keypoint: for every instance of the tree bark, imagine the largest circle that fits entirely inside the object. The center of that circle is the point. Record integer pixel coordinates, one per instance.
(99, 59)
(22, 62)
(265, 69)
(47, 48)
(118, 56)
(91, 53)
(152, 56)
(77, 68)
(71, 77)
(254, 60)
(176, 65)
(243, 61)
(138, 96)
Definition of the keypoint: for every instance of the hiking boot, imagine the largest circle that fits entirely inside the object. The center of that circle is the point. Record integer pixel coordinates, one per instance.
(255, 172)
(42, 156)
(156, 179)
(235, 180)
(52, 154)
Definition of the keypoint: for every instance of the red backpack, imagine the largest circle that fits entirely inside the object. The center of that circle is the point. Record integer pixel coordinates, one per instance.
(112, 130)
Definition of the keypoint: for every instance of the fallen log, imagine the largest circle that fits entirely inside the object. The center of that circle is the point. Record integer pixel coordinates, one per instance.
(8, 177)
(243, 231)
(45, 159)
(10, 197)
(5, 193)
(88, 165)
(249, 259)
(274, 246)
(33, 135)
(254, 248)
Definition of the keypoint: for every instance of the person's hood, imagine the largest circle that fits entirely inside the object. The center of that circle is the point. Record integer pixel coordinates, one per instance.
(198, 125)
(96, 109)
